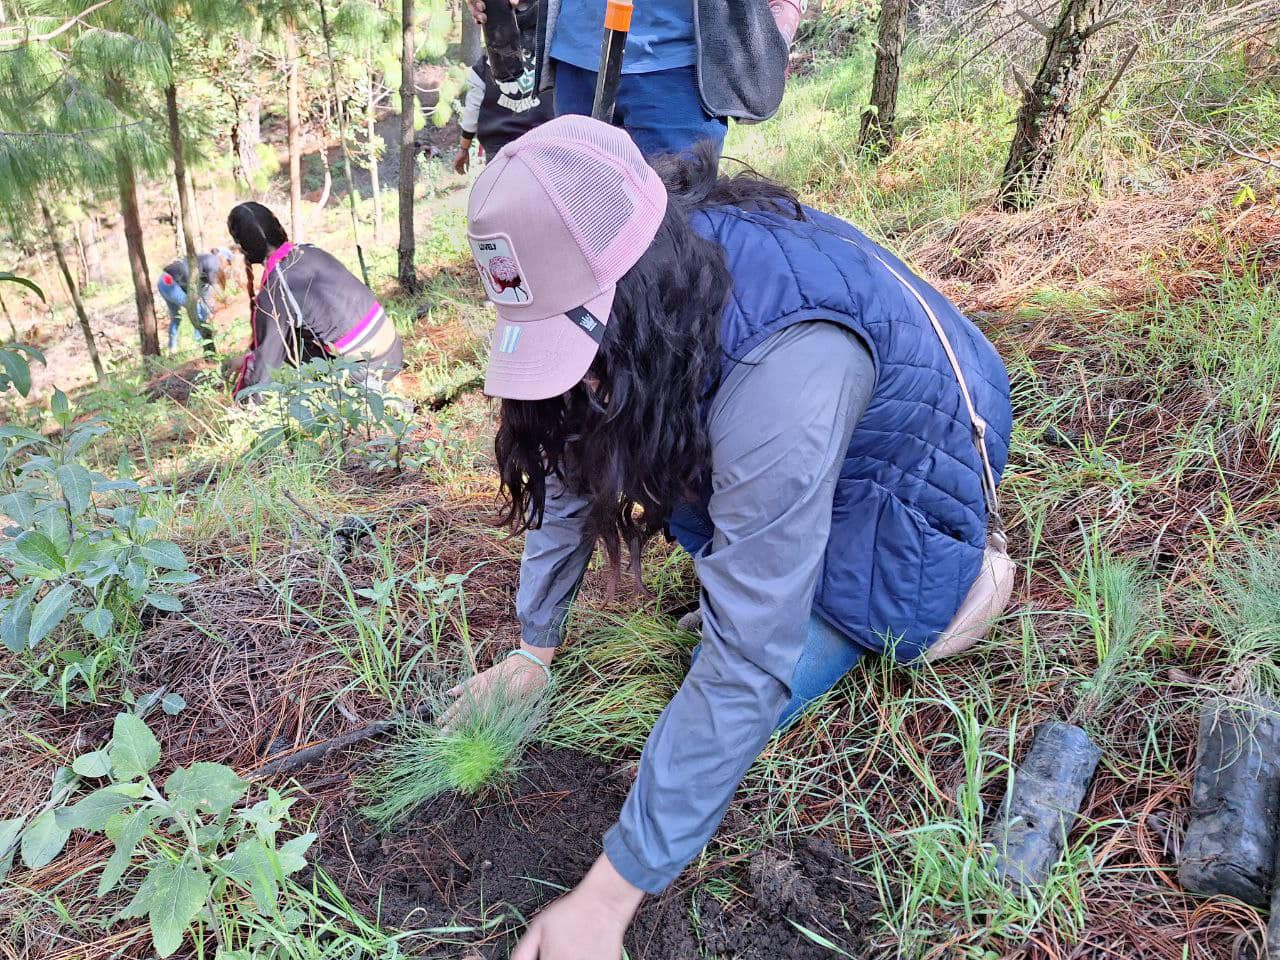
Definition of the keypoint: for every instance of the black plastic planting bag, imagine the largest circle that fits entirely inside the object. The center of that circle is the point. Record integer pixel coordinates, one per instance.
(1273, 928)
(1044, 798)
(1230, 846)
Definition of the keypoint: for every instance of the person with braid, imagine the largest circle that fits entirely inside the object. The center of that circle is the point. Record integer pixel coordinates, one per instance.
(309, 305)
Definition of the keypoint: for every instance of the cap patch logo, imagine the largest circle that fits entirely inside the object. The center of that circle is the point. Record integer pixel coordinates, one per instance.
(500, 271)
(510, 338)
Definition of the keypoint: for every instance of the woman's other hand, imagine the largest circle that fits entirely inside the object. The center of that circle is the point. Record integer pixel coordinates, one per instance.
(462, 159)
(588, 923)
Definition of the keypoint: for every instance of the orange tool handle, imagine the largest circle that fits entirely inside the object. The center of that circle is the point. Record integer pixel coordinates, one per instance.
(617, 15)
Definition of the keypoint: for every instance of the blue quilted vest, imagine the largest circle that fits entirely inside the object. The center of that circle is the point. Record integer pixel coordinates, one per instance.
(909, 521)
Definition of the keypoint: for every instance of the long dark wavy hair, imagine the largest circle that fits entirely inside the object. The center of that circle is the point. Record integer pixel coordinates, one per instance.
(633, 441)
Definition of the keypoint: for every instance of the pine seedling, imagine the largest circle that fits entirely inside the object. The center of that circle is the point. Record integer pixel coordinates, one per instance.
(481, 747)
(1119, 606)
(1246, 615)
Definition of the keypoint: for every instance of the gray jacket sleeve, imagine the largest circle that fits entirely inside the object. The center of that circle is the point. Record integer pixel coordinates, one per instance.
(555, 558)
(470, 118)
(780, 425)
(274, 334)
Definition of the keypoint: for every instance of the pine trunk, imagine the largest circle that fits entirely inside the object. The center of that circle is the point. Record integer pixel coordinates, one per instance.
(148, 331)
(237, 157)
(47, 277)
(371, 135)
(186, 219)
(352, 193)
(91, 243)
(8, 318)
(1049, 103)
(246, 135)
(82, 264)
(70, 281)
(472, 43)
(193, 197)
(878, 123)
(295, 135)
(250, 128)
(408, 152)
(174, 220)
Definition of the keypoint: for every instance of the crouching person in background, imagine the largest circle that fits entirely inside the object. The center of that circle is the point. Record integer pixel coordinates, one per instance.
(174, 285)
(309, 306)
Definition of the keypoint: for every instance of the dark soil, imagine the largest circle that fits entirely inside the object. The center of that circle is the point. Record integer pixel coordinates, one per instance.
(177, 384)
(491, 862)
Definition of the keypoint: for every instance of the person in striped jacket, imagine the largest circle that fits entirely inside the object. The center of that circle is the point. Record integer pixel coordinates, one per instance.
(308, 305)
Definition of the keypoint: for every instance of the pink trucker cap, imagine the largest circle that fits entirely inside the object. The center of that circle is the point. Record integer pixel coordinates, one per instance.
(555, 220)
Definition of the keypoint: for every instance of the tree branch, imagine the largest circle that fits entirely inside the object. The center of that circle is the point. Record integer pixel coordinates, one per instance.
(1035, 23)
(60, 30)
(1021, 80)
(74, 135)
(1096, 107)
(1101, 25)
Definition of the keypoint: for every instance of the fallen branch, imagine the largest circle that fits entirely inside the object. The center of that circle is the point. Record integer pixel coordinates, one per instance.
(292, 762)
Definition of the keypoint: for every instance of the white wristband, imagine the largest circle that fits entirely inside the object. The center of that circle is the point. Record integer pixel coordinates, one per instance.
(532, 659)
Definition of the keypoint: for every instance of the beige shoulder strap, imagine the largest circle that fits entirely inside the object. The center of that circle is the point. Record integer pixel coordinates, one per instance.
(994, 520)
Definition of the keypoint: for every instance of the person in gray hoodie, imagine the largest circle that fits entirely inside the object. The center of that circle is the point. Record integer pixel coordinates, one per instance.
(309, 305)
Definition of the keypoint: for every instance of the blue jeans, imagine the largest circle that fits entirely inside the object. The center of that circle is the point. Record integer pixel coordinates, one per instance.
(661, 110)
(827, 655)
(204, 310)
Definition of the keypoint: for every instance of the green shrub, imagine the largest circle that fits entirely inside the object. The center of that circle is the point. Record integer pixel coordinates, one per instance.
(15, 367)
(325, 406)
(76, 548)
(191, 854)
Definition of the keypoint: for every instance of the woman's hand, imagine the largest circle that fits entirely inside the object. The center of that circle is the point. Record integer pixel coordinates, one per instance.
(588, 923)
(477, 9)
(514, 676)
(462, 159)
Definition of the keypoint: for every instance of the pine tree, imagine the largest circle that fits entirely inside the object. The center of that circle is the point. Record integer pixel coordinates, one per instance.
(59, 141)
(55, 241)
(406, 272)
(878, 131)
(364, 35)
(110, 63)
(1049, 101)
(352, 192)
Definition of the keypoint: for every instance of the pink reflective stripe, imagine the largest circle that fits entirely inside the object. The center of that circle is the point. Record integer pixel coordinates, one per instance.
(280, 254)
(356, 332)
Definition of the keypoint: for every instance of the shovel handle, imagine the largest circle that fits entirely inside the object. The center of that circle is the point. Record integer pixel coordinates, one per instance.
(617, 21)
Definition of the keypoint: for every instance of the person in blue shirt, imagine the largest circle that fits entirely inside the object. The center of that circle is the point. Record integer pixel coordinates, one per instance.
(685, 71)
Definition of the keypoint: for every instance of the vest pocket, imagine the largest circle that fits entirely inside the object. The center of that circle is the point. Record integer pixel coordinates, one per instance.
(891, 580)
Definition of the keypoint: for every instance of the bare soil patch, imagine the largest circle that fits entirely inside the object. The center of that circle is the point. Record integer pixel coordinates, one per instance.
(486, 864)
